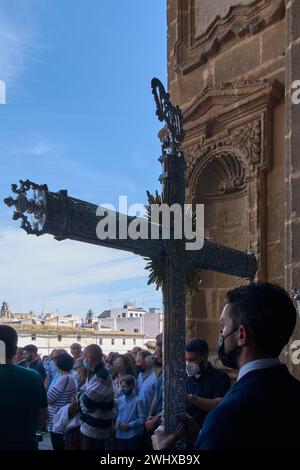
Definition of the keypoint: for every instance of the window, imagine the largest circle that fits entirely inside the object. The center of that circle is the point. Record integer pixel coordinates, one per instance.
(134, 342)
(112, 341)
(100, 341)
(136, 330)
(33, 337)
(131, 315)
(124, 342)
(59, 338)
(124, 315)
(122, 329)
(78, 337)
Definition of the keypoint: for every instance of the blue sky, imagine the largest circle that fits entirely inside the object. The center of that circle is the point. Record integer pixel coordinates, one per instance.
(79, 115)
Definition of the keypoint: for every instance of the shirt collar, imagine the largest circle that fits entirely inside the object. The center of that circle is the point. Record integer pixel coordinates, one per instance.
(258, 364)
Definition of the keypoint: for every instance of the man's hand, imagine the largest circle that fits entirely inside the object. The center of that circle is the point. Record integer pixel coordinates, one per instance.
(162, 440)
(74, 401)
(193, 399)
(123, 427)
(205, 404)
(191, 426)
(152, 423)
(73, 408)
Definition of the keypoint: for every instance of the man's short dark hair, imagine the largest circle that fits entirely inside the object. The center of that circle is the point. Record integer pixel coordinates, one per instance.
(9, 337)
(198, 346)
(268, 310)
(65, 362)
(31, 348)
(144, 353)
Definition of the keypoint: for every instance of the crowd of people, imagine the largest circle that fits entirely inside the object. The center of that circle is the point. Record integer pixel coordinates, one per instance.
(89, 401)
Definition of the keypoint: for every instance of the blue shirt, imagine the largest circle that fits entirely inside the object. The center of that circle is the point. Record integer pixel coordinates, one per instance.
(131, 412)
(158, 410)
(52, 371)
(147, 389)
(55, 379)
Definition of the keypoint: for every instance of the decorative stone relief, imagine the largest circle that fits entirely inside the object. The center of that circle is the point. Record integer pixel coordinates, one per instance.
(204, 25)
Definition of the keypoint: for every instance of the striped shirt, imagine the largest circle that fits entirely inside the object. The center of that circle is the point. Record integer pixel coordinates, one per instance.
(97, 404)
(59, 395)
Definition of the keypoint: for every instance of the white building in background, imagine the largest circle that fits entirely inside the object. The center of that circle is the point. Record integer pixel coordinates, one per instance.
(48, 338)
(53, 319)
(118, 329)
(132, 319)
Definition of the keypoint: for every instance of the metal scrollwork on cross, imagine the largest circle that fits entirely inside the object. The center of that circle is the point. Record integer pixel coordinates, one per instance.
(35, 206)
(168, 113)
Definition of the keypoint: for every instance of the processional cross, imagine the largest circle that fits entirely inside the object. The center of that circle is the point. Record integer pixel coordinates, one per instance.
(172, 265)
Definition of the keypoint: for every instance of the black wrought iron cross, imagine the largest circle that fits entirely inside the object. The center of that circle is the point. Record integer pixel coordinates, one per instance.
(65, 217)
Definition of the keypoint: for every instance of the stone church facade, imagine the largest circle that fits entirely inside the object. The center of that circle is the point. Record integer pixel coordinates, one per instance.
(231, 65)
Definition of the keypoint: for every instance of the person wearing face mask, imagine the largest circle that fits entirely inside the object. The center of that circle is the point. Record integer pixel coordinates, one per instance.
(206, 385)
(53, 373)
(261, 411)
(147, 380)
(131, 417)
(96, 401)
(122, 366)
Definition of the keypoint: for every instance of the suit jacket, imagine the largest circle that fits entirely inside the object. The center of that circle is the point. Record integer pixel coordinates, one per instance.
(260, 411)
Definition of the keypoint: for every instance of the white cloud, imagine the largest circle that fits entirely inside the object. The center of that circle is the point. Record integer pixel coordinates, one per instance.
(69, 275)
(19, 41)
(40, 148)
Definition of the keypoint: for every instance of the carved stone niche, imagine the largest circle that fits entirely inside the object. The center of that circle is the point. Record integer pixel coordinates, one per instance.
(203, 25)
(228, 150)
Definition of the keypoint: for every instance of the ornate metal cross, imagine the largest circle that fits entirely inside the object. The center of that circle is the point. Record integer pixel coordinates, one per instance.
(172, 265)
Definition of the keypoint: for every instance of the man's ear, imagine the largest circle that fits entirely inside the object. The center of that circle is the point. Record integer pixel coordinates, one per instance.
(243, 335)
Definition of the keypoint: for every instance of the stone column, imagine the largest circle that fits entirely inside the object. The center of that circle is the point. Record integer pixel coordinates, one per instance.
(292, 159)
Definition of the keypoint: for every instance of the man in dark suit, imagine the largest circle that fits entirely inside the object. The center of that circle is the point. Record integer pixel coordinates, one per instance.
(262, 409)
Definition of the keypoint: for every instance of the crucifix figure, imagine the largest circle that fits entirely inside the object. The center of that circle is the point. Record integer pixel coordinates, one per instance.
(172, 266)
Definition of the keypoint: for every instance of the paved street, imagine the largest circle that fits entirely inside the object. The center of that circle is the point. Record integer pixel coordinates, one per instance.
(46, 443)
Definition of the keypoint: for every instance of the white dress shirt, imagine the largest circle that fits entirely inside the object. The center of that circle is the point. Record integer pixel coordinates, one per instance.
(258, 364)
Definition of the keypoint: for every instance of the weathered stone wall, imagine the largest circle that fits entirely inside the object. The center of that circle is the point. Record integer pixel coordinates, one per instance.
(255, 53)
(292, 161)
(226, 69)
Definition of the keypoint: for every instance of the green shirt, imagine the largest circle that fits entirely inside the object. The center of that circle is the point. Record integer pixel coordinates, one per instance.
(22, 394)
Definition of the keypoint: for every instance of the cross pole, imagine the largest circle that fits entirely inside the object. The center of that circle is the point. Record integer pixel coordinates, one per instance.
(65, 217)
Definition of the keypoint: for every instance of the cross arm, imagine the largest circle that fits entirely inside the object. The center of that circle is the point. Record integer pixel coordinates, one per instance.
(65, 217)
(224, 259)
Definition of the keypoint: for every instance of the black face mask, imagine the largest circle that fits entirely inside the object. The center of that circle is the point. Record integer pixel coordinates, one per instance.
(229, 359)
